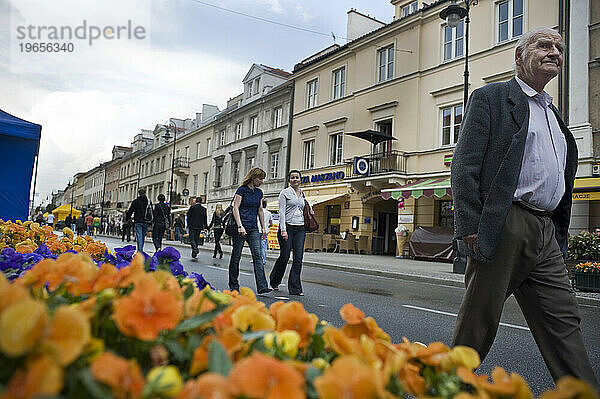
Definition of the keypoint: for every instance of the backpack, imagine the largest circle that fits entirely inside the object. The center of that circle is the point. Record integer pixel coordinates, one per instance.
(148, 215)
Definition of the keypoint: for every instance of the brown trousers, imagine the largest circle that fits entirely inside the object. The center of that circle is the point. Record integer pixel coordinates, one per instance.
(528, 264)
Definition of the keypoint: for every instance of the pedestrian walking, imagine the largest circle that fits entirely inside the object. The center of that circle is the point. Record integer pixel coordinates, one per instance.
(291, 235)
(196, 220)
(246, 208)
(513, 171)
(89, 224)
(216, 223)
(126, 229)
(162, 213)
(50, 219)
(68, 221)
(39, 217)
(141, 210)
(179, 226)
(268, 221)
(96, 225)
(80, 224)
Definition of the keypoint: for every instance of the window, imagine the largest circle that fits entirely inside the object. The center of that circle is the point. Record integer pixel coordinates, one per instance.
(311, 93)
(205, 182)
(238, 131)
(510, 19)
(187, 153)
(445, 213)
(162, 163)
(198, 152)
(339, 83)
(218, 172)
(335, 148)
(222, 138)
(410, 8)
(249, 90)
(309, 154)
(274, 165)
(253, 125)
(385, 64)
(195, 191)
(208, 146)
(277, 117)
(235, 172)
(250, 163)
(256, 86)
(454, 41)
(451, 120)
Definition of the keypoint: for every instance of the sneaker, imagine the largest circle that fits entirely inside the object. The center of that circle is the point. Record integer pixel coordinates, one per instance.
(265, 291)
(297, 293)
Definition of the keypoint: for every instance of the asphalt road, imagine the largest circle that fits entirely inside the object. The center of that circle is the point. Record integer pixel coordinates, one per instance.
(419, 311)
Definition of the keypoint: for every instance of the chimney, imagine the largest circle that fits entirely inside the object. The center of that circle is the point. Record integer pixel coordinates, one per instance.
(360, 24)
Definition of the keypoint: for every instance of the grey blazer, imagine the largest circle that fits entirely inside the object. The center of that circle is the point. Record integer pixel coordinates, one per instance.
(487, 163)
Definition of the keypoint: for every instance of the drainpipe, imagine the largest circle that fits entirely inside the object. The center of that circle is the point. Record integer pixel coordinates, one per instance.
(289, 138)
(564, 16)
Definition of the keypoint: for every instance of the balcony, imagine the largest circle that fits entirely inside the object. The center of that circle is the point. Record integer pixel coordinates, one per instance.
(182, 166)
(380, 164)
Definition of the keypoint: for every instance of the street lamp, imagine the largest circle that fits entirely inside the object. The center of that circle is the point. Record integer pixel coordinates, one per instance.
(453, 14)
(167, 137)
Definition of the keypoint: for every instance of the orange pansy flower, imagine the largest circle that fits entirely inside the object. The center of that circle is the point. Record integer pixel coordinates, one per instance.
(339, 342)
(67, 334)
(347, 378)
(10, 293)
(260, 376)
(569, 387)
(412, 379)
(106, 277)
(197, 304)
(351, 314)
(123, 377)
(367, 326)
(207, 386)
(433, 354)
(41, 377)
(293, 316)
(21, 326)
(147, 311)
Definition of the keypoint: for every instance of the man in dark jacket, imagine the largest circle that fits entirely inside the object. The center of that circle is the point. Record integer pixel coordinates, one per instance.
(512, 177)
(196, 220)
(138, 208)
(162, 214)
(80, 224)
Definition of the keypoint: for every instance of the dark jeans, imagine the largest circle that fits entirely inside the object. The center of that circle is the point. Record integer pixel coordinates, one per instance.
(126, 232)
(140, 234)
(253, 238)
(177, 233)
(295, 242)
(194, 237)
(157, 235)
(218, 234)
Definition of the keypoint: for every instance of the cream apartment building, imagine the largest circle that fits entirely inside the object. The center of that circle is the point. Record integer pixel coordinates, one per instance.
(129, 170)
(404, 79)
(252, 132)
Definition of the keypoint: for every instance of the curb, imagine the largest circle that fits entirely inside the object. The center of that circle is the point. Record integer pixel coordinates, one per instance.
(372, 272)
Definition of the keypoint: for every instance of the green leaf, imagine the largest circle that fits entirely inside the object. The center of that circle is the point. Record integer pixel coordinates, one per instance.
(96, 390)
(177, 350)
(252, 335)
(193, 342)
(218, 360)
(189, 291)
(196, 321)
(310, 375)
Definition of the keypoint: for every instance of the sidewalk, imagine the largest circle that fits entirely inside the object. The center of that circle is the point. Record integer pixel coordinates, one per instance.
(374, 265)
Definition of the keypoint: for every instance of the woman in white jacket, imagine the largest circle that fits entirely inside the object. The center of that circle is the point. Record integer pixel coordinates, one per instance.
(290, 235)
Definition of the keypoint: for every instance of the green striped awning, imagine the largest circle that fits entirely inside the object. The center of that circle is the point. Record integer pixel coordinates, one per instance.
(436, 186)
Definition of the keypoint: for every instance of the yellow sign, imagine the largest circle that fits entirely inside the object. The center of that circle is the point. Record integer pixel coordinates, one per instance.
(272, 237)
(586, 196)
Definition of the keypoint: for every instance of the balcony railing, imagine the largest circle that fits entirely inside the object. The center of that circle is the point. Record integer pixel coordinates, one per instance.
(182, 162)
(380, 163)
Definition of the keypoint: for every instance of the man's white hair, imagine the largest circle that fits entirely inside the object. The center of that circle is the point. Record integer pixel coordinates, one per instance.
(522, 46)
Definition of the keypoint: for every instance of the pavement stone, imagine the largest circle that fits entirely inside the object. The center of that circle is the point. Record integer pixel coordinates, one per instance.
(375, 265)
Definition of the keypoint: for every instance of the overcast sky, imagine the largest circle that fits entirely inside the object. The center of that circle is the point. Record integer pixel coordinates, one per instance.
(101, 95)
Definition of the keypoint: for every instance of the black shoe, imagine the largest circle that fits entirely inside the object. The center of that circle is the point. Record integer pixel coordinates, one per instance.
(194, 254)
(265, 291)
(297, 293)
(221, 256)
(214, 255)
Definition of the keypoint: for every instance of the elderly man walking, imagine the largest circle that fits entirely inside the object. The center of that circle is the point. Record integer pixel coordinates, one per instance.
(513, 171)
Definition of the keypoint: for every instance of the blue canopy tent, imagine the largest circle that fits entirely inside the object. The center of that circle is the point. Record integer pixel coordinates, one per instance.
(19, 145)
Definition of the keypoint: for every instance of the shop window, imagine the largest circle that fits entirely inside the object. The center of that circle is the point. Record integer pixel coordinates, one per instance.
(334, 217)
(445, 213)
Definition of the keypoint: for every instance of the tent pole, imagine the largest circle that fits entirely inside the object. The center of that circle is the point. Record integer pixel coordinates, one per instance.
(37, 158)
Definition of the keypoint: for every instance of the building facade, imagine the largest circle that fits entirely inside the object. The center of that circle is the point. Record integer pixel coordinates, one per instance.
(94, 189)
(405, 81)
(252, 132)
(129, 175)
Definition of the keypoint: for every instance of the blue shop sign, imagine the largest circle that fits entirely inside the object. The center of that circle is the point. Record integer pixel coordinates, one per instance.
(329, 176)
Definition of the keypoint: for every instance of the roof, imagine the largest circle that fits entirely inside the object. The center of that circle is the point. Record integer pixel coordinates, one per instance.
(277, 71)
(300, 66)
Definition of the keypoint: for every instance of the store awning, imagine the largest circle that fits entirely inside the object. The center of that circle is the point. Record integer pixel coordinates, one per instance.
(312, 200)
(429, 187)
(587, 184)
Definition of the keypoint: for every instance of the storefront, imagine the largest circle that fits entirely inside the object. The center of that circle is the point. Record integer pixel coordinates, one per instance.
(585, 212)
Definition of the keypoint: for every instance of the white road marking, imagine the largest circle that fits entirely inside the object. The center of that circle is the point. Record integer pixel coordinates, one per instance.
(322, 306)
(285, 298)
(216, 267)
(455, 315)
(246, 273)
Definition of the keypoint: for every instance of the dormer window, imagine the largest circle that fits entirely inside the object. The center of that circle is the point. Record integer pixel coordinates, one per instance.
(256, 86)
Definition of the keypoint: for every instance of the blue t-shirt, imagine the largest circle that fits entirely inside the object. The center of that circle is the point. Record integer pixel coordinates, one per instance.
(251, 200)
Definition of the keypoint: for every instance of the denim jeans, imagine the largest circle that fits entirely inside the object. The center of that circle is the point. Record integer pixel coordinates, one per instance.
(158, 230)
(253, 238)
(264, 244)
(177, 233)
(295, 242)
(140, 234)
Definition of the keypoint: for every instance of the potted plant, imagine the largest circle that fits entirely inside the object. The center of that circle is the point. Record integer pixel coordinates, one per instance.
(587, 276)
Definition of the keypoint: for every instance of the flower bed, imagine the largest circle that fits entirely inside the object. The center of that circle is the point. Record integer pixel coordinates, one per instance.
(587, 276)
(75, 327)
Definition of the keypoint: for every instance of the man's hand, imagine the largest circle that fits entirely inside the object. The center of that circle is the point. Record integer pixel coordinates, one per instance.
(471, 241)
(284, 235)
(264, 235)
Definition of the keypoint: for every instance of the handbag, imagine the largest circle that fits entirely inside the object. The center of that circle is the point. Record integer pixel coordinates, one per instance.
(229, 223)
(310, 223)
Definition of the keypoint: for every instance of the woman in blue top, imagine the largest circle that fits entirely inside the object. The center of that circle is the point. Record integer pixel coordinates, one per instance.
(246, 207)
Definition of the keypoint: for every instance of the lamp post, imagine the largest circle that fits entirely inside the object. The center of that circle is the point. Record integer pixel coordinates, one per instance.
(167, 137)
(453, 14)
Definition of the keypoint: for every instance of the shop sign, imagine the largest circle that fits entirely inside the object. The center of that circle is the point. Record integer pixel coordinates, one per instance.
(322, 177)
(586, 196)
(405, 218)
(370, 195)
